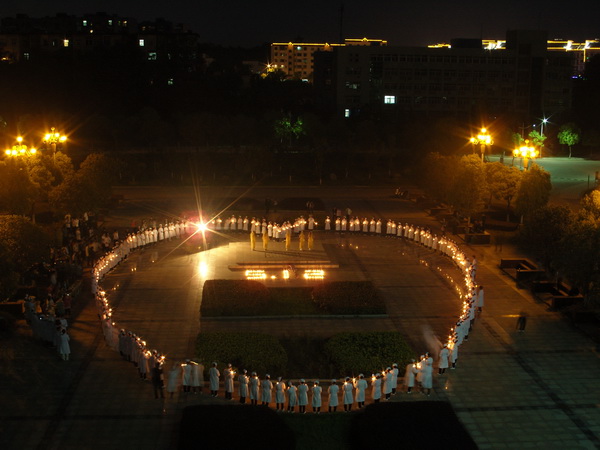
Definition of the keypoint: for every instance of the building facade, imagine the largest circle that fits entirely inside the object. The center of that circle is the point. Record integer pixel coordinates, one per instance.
(524, 80)
(296, 59)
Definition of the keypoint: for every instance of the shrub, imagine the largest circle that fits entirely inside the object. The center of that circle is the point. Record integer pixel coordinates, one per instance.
(369, 352)
(253, 351)
(233, 298)
(349, 297)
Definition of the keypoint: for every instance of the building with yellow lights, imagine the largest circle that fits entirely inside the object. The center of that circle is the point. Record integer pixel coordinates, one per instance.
(582, 51)
(296, 59)
(524, 80)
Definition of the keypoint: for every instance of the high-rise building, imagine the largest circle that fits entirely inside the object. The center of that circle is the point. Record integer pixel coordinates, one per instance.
(296, 59)
(524, 80)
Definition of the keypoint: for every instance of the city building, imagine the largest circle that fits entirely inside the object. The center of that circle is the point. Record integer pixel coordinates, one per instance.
(524, 80)
(296, 59)
(582, 51)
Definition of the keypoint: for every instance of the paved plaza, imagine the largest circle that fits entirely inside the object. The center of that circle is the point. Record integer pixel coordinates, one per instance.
(511, 390)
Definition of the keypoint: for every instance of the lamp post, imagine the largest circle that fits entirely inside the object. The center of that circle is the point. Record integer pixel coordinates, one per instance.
(53, 138)
(525, 152)
(544, 122)
(483, 139)
(20, 149)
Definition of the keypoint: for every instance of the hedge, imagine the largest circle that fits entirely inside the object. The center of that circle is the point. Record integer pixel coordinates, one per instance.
(349, 297)
(253, 351)
(233, 298)
(252, 298)
(368, 352)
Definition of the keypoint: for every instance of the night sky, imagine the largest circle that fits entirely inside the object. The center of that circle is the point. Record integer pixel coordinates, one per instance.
(419, 22)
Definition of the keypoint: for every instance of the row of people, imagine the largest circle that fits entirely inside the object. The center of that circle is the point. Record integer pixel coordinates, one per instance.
(416, 234)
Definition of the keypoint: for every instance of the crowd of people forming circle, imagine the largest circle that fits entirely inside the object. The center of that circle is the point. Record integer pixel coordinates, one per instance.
(188, 376)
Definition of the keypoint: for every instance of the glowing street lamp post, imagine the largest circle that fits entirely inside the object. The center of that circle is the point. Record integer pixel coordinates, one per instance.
(20, 149)
(53, 139)
(525, 152)
(483, 139)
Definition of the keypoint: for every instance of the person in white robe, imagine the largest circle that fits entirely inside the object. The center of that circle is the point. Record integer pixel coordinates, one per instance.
(347, 393)
(266, 390)
(302, 396)
(174, 379)
(64, 349)
(254, 388)
(280, 394)
(292, 396)
(395, 373)
(316, 397)
(243, 380)
(444, 358)
(360, 385)
(214, 375)
(332, 392)
(410, 376)
(229, 375)
(376, 387)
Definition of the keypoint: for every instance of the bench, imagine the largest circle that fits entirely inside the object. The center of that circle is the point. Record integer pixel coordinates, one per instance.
(556, 295)
(523, 271)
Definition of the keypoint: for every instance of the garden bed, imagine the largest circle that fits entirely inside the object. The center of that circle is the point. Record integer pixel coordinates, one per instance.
(238, 298)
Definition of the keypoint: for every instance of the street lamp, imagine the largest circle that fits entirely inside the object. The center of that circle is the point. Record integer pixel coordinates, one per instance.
(20, 149)
(483, 139)
(526, 152)
(53, 139)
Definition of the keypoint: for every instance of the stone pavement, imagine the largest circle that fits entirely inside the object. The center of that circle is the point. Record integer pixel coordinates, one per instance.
(511, 390)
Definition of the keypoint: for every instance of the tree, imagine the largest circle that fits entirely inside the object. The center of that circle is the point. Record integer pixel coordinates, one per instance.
(502, 183)
(24, 243)
(534, 191)
(287, 129)
(590, 206)
(438, 175)
(569, 135)
(467, 191)
(17, 191)
(537, 139)
(544, 233)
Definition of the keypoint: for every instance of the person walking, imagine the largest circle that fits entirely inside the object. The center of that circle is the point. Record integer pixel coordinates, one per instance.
(64, 349)
(444, 359)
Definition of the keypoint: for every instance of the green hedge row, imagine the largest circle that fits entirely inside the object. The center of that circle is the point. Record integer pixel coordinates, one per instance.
(348, 297)
(254, 351)
(342, 355)
(368, 352)
(234, 298)
(252, 298)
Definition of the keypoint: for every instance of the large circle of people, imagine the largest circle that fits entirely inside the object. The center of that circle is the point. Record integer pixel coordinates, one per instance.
(188, 375)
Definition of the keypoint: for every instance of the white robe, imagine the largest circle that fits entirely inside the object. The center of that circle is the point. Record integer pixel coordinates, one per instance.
(243, 385)
(214, 375)
(333, 394)
(316, 396)
(360, 385)
(347, 389)
(302, 394)
(444, 355)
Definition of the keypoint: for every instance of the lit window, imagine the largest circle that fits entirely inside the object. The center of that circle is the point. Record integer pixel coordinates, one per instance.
(65, 42)
(298, 48)
(170, 82)
(110, 22)
(141, 42)
(26, 56)
(346, 113)
(85, 23)
(389, 99)
(151, 56)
